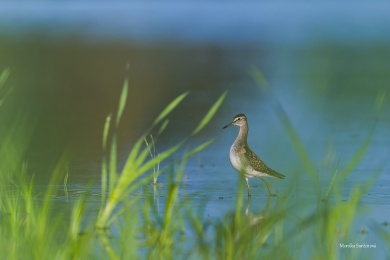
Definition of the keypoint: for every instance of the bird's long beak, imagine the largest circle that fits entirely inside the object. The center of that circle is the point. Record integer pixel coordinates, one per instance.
(230, 124)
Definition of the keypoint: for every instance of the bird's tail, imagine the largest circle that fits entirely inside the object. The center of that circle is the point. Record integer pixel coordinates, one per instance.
(276, 174)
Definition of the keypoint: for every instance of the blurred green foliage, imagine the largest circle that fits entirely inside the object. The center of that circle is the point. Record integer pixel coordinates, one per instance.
(31, 229)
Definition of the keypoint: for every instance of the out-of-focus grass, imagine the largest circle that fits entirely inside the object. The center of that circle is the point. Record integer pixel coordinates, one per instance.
(34, 230)
(119, 186)
(123, 229)
(3, 77)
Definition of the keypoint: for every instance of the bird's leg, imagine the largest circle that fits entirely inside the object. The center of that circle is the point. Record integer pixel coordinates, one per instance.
(269, 190)
(249, 188)
(248, 204)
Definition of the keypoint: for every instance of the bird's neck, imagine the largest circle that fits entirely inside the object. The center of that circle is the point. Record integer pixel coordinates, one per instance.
(242, 136)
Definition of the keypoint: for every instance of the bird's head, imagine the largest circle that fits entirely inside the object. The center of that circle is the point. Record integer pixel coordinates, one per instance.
(238, 120)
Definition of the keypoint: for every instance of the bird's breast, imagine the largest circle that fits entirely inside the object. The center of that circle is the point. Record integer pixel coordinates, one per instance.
(237, 158)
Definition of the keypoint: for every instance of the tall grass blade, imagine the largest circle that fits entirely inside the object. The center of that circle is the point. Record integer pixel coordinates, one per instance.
(164, 155)
(260, 79)
(198, 149)
(141, 158)
(104, 180)
(152, 154)
(113, 153)
(170, 224)
(113, 175)
(356, 158)
(136, 164)
(105, 131)
(294, 137)
(380, 100)
(133, 156)
(3, 76)
(55, 180)
(210, 114)
(5, 96)
(122, 101)
(66, 184)
(163, 126)
(128, 176)
(333, 179)
(298, 144)
(169, 108)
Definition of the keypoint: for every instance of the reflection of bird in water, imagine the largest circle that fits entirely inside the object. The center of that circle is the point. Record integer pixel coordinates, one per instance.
(242, 227)
(254, 219)
(244, 160)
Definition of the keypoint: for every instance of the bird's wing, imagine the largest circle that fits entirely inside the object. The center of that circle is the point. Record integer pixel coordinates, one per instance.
(260, 166)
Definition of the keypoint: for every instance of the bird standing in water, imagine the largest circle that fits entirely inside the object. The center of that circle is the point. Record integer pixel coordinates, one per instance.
(244, 160)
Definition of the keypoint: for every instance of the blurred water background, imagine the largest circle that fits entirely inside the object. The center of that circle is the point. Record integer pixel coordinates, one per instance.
(326, 64)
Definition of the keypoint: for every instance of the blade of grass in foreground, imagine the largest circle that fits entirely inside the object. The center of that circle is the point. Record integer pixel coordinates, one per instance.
(162, 239)
(122, 102)
(210, 114)
(3, 77)
(298, 144)
(104, 181)
(259, 77)
(135, 166)
(294, 137)
(113, 153)
(169, 108)
(134, 153)
(332, 181)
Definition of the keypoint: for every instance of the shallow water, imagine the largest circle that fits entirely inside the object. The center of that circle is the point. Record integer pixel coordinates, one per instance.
(327, 82)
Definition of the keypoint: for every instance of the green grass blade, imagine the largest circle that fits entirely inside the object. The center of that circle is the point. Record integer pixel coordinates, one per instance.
(163, 126)
(5, 96)
(169, 222)
(164, 155)
(136, 164)
(356, 158)
(113, 152)
(122, 101)
(259, 77)
(104, 181)
(125, 207)
(105, 132)
(380, 100)
(112, 165)
(170, 107)
(210, 114)
(66, 184)
(3, 76)
(129, 175)
(142, 157)
(136, 185)
(332, 181)
(133, 156)
(198, 149)
(298, 144)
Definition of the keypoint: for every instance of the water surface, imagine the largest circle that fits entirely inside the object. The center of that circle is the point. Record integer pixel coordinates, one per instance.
(326, 66)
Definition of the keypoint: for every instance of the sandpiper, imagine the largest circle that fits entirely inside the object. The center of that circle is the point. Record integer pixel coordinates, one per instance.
(244, 160)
